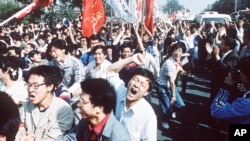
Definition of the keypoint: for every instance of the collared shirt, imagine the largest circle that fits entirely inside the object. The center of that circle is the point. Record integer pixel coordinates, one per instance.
(74, 71)
(97, 130)
(100, 71)
(140, 121)
(150, 64)
(169, 68)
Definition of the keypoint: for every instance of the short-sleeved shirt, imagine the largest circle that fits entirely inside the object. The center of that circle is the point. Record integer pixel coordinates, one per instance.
(169, 68)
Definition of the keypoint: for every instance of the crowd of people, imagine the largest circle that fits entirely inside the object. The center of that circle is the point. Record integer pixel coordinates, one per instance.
(70, 87)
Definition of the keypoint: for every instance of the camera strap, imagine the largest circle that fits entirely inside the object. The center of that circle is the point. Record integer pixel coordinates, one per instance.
(247, 94)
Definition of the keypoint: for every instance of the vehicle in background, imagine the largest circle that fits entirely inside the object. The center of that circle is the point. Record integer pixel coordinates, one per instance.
(241, 14)
(209, 16)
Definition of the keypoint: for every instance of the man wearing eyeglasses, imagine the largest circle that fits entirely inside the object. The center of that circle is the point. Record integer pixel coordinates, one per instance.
(44, 116)
(98, 122)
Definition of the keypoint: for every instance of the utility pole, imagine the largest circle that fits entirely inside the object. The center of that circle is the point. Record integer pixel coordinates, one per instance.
(235, 8)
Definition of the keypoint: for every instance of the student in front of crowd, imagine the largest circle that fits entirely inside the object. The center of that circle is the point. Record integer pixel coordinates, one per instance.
(10, 83)
(9, 119)
(98, 123)
(44, 116)
(98, 67)
(74, 71)
(169, 97)
(132, 110)
(237, 111)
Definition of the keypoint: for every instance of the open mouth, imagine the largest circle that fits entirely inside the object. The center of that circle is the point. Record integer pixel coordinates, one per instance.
(31, 97)
(133, 91)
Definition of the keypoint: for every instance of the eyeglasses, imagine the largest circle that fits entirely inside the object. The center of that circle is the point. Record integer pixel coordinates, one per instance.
(34, 85)
(82, 102)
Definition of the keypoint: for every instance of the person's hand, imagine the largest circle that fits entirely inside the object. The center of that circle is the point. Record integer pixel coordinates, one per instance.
(209, 48)
(27, 136)
(216, 51)
(173, 99)
(138, 58)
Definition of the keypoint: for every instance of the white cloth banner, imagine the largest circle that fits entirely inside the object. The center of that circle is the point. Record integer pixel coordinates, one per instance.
(123, 10)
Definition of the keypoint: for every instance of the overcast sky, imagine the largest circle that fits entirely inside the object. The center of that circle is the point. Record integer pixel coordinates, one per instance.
(194, 5)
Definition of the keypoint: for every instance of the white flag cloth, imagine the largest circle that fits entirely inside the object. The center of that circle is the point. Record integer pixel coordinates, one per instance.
(123, 10)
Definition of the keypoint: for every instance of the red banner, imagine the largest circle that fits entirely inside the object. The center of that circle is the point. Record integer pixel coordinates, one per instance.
(25, 11)
(93, 17)
(28, 9)
(149, 21)
(44, 3)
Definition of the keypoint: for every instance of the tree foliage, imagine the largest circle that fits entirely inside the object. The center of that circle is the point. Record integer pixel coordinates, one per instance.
(171, 6)
(223, 6)
(7, 9)
(50, 14)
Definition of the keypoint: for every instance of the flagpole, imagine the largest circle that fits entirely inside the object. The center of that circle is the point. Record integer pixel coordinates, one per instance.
(13, 16)
(142, 16)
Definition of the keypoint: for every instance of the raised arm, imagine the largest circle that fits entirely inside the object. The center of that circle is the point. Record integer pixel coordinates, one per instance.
(119, 36)
(139, 40)
(117, 66)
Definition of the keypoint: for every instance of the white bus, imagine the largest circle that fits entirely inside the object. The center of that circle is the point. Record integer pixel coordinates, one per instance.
(209, 16)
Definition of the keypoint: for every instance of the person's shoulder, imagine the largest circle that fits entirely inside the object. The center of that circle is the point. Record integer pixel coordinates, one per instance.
(28, 106)
(114, 126)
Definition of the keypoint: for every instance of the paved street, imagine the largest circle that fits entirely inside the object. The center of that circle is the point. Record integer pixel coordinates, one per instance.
(192, 123)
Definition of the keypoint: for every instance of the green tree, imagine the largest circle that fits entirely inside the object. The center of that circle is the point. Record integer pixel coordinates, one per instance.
(171, 6)
(223, 6)
(7, 9)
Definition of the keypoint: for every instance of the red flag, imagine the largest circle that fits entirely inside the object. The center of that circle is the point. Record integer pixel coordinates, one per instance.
(44, 3)
(25, 11)
(93, 17)
(28, 9)
(149, 21)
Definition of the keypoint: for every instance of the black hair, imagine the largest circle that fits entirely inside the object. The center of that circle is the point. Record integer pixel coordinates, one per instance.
(17, 50)
(12, 65)
(33, 52)
(104, 49)
(101, 93)
(145, 73)
(174, 47)
(127, 44)
(58, 43)
(33, 46)
(9, 119)
(52, 75)
(229, 41)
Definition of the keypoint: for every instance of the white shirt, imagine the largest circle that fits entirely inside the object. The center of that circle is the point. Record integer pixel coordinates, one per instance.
(17, 91)
(169, 68)
(140, 121)
(93, 71)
